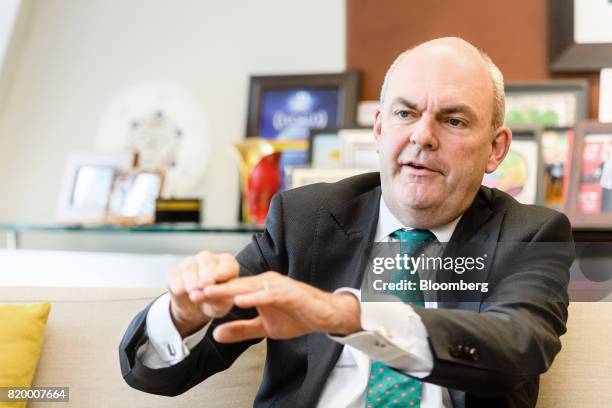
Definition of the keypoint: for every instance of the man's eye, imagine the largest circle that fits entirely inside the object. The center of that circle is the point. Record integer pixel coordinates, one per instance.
(454, 122)
(404, 114)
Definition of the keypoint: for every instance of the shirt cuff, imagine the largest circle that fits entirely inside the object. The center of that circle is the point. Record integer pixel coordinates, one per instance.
(165, 347)
(393, 334)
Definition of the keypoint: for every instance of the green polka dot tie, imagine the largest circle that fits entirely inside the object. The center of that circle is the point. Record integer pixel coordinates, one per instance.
(387, 387)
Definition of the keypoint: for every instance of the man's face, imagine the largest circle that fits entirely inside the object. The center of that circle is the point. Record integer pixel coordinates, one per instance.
(434, 135)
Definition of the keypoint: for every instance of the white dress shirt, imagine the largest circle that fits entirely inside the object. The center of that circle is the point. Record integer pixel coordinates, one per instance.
(392, 333)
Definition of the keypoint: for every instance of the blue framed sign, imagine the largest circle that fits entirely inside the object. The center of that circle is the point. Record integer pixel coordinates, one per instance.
(287, 107)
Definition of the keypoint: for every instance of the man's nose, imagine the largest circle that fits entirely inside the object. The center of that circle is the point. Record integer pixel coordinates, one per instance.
(424, 135)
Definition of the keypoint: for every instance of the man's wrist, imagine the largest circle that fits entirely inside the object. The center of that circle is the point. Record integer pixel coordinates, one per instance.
(348, 314)
(186, 327)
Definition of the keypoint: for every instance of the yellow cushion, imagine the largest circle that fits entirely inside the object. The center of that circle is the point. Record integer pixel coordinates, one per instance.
(21, 338)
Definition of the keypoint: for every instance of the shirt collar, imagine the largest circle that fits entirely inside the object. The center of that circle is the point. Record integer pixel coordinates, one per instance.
(388, 223)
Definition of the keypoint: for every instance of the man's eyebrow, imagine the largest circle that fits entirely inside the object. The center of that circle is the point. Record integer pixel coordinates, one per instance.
(401, 101)
(461, 108)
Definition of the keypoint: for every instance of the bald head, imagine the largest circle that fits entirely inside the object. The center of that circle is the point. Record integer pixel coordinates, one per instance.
(456, 54)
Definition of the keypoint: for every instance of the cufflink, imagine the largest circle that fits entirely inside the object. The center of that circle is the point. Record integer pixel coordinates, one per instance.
(171, 349)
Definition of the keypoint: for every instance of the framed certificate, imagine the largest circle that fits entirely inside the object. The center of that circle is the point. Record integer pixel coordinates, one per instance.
(358, 148)
(556, 103)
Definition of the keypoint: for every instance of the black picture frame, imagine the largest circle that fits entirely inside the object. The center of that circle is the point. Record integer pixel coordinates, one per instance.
(578, 87)
(346, 83)
(313, 134)
(564, 54)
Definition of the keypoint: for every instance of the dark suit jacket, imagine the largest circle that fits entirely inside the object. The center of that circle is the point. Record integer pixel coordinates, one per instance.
(319, 234)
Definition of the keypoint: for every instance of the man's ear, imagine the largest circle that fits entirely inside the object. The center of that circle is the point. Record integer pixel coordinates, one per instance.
(377, 126)
(499, 148)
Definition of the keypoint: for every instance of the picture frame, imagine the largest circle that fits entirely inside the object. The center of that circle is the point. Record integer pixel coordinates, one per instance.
(358, 148)
(86, 185)
(605, 95)
(589, 204)
(304, 176)
(521, 173)
(554, 103)
(571, 48)
(366, 112)
(287, 106)
(132, 198)
(557, 146)
(324, 148)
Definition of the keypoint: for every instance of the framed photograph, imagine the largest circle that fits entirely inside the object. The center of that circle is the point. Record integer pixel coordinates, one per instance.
(557, 103)
(557, 156)
(521, 174)
(288, 106)
(358, 148)
(324, 148)
(87, 183)
(590, 191)
(132, 198)
(302, 177)
(580, 35)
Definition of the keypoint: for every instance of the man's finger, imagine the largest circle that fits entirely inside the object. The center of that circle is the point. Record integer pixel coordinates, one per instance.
(235, 287)
(261, 297)
(175, 282)
(207, 266)
(178, 293)
(227, 268)
(189, 274)
(239, 330)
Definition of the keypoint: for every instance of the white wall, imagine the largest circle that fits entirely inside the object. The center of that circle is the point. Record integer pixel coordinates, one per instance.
(8, 16)
(79, 54)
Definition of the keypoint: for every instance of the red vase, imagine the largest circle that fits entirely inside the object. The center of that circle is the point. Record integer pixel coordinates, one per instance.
(264, 181)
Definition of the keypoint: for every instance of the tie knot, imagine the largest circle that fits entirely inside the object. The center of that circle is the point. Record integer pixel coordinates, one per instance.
(414, 236)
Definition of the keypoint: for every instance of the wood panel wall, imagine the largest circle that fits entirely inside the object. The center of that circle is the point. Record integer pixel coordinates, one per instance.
(512, 32)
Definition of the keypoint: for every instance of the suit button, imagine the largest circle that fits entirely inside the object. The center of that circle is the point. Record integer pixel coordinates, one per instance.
(472, 354)
(455, 351)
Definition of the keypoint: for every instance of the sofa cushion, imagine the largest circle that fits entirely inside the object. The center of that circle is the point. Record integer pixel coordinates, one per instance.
(580, 375)
(81, 352)
(21, 339)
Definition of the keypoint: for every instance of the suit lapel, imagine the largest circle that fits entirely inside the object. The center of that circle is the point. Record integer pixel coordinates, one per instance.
(476, 235)
(343, 237)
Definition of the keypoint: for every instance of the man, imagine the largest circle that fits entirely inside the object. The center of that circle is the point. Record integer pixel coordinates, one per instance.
(438, 129)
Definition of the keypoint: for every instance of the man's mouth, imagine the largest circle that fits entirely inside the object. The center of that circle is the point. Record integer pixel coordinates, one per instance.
(418, 168)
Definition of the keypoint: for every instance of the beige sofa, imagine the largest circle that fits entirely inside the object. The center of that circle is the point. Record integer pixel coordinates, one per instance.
(86, 325)
(80, 351)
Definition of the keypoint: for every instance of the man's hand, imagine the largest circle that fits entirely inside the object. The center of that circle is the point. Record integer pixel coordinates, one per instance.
(189, 307)
(287, 308)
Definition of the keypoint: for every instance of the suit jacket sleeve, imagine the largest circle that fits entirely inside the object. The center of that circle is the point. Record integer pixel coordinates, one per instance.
(515, 335)
(265, 252)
